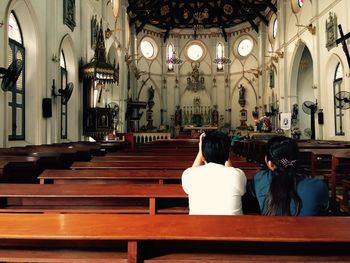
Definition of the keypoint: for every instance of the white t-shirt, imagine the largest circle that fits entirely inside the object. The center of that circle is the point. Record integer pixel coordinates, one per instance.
(214, 189)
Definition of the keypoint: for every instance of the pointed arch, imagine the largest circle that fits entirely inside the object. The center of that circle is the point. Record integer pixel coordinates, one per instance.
(69, 111)
(33, 82)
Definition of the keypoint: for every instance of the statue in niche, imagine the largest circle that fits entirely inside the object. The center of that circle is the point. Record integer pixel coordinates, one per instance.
(331, 31)
(241, 99)
(295, 112)
(149, 113)
(195, 81)
(94, 31)
(215, 116)
(69, 13)
(178, 116)
(255, 114)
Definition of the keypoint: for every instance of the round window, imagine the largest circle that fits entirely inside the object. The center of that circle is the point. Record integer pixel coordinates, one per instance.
(148, 48)
(195, 51)
(275, 27)
(245, 46)
(296, 5)
(115, 6)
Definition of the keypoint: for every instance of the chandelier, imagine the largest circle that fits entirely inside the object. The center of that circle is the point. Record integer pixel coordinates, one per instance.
(222, 61)
(174, 60)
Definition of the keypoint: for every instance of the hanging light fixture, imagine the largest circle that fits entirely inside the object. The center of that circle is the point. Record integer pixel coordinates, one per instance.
(222, 60)
(174, 60)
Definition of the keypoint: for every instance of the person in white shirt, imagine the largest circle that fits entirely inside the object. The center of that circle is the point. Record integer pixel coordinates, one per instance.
(213, 186)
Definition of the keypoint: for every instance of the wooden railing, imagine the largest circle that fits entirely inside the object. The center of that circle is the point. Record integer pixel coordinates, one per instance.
(145, 137)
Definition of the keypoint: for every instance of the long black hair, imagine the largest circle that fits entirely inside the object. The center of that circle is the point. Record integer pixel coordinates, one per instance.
(283, 152)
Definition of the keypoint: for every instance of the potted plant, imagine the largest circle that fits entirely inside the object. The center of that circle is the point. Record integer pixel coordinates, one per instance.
(296, 133)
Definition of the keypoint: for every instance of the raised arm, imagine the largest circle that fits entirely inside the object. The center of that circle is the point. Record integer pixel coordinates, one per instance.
(199, 158)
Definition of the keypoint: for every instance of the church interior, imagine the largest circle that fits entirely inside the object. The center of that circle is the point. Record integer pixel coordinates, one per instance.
(166, 67)
(99, 94)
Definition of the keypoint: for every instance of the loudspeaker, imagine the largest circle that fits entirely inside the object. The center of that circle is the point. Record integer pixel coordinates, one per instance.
(47, 107)
(320, 118)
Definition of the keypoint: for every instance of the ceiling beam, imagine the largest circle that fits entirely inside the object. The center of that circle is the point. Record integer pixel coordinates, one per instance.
(144, 13)
(166, 34)
(247, 16)
(271, 5)
(250, 8)
(140, 27)
(133, 5)
(219, 16)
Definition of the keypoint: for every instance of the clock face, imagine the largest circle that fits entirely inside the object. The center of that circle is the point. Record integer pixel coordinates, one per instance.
(245, 46)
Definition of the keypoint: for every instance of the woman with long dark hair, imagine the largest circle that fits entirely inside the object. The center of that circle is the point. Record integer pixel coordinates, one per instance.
(280, 190)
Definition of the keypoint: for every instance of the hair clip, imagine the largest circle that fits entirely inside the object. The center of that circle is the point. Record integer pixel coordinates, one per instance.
(286, 162)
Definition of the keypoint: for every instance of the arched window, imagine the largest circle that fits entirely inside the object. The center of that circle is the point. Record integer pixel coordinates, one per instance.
(170, 54)
(64, 108)
(16, 98)
(220, 55)
(338, 104)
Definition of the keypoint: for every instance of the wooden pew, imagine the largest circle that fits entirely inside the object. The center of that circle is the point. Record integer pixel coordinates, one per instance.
(69, 198)
(345, 205)
(117, 176)
(340, 171)
(109, 176)
(142, 158)
(23, 169)
(156, 165)
(173, 238)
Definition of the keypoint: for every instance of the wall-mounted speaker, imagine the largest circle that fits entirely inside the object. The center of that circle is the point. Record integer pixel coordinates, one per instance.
(47, 107)
(320, 117)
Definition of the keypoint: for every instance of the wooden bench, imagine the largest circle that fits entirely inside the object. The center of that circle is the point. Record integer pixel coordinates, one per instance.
(109, 176)
(172, 238)
(19, 168)
(143, 158)
(117, 176)
(345, 205)
(156, 165)
(67, 198)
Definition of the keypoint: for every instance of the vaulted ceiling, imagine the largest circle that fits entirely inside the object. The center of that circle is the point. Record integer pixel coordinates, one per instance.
(223, 14)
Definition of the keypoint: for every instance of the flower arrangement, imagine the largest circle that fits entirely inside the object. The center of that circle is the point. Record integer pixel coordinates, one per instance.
(296, 131)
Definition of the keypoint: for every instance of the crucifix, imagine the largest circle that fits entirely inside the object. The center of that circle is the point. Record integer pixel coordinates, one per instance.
(342, 40)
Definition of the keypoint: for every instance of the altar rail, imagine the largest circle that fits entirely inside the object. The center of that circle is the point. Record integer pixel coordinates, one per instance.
(145, 137)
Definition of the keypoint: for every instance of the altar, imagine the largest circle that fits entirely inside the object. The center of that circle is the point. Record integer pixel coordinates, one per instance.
(200, 128)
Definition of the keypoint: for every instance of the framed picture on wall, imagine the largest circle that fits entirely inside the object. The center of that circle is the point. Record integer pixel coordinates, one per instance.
(69, 13)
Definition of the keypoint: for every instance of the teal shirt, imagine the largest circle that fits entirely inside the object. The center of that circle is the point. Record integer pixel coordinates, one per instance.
(312, 192)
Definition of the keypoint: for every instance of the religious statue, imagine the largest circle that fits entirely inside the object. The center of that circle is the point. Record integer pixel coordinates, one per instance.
(94, 31)
(255, 114)
(150, 93)
(241, 99)
(295, 112)
(264, 124)
(149, 113)
(195, 82)
(331, 31)
(178, 116)
(69, 13)
(215, 116)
